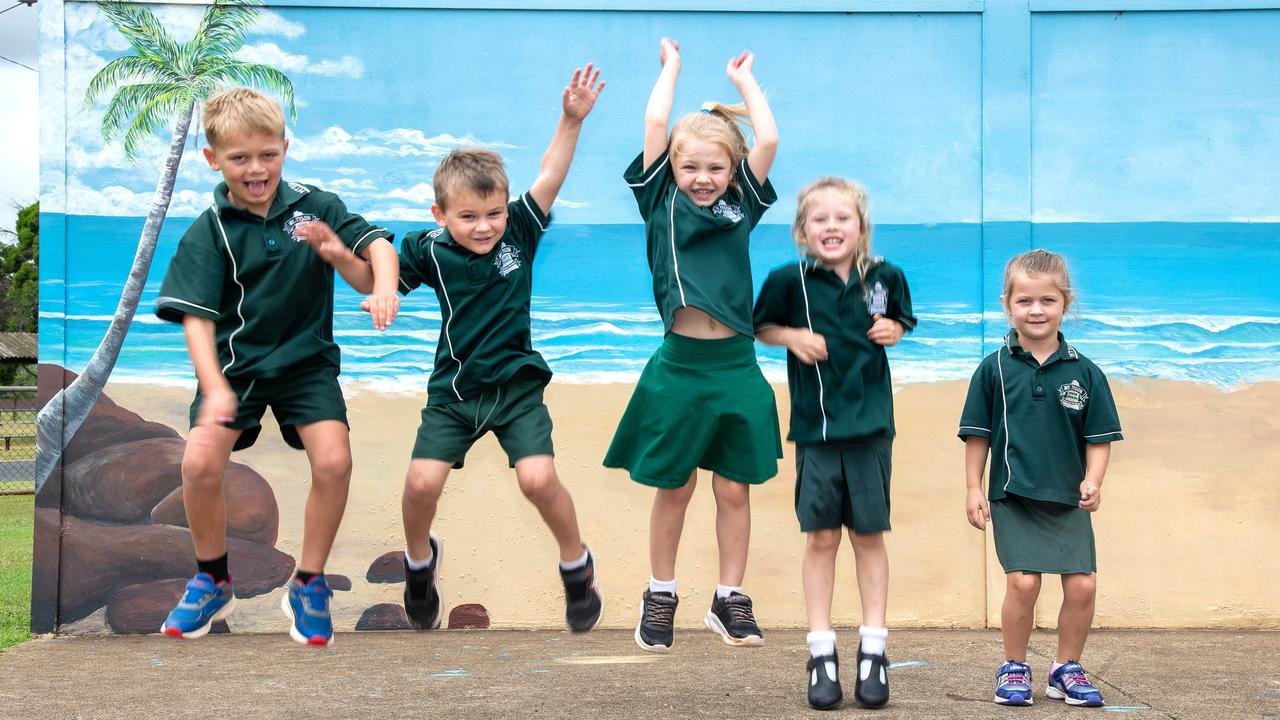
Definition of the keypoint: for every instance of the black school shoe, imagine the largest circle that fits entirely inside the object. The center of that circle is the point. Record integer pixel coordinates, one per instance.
(824, 689)
(657, 618)
(873, 689)
(583, 604)
(422, 601)
(732, 619)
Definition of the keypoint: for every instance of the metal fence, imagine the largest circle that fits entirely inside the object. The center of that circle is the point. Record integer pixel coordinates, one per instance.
(17, 440)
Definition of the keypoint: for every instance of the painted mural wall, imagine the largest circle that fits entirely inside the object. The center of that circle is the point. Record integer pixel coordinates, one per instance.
(1138, 139)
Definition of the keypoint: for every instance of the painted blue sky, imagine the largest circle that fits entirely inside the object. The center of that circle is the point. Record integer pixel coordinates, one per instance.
(1139, 116)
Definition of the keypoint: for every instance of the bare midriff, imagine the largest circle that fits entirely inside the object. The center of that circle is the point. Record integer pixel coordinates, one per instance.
(695, 323)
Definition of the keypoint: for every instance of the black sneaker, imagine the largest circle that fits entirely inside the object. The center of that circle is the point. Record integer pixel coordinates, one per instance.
(422, 601)
(872, 688)
(824, 682)
(657, 616)
(583, 604)
(732, 619)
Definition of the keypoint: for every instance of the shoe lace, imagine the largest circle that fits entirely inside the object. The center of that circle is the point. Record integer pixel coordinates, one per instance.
(1076, 679)
(659, 613)
(740, 613)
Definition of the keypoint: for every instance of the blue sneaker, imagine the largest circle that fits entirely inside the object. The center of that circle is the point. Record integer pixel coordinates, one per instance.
(1071, 684)
(203, 603)
(1013, 684)
(308, 609)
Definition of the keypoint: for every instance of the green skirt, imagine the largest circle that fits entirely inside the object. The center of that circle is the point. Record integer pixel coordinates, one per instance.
(699, 404)
(1042, 537)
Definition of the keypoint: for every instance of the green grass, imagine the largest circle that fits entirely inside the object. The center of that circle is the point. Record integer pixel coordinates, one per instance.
(16, 513)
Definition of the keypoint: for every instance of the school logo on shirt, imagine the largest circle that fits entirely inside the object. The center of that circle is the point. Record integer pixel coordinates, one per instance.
(508, 259)
(1073, 395)
(877, 299)
(297, 219)
(725, 210)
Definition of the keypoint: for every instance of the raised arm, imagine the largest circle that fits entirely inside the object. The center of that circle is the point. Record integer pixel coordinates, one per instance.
(579, 97)
(763, 127)
(658, 112)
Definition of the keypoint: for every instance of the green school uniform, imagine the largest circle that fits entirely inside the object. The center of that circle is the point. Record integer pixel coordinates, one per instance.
(699, 255)
(484, 304)
(848, 396)
(269, 294)
(1039, 419)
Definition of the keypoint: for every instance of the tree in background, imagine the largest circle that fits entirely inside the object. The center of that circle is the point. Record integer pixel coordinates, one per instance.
(161, 82)
(20, 288)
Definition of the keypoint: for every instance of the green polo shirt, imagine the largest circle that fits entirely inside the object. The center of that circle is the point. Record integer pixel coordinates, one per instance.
(484, 303)
(698, 255)
(849, 395)
(1039, 419)
(268, 293)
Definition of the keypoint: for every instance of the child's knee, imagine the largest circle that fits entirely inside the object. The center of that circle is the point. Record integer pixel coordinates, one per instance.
(732, 495)
(823, 541)
(1024, 583)
(202, 470)
(1079, 589)
(421, 486)
(331, 465)
(538, 483)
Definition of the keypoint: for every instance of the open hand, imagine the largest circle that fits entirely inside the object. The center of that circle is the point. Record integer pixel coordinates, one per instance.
(323, 240)
(885, 332)
(383, 307)
(739, 68)
(668, 51)
(976, 509)
(581, 93)
(809, 347)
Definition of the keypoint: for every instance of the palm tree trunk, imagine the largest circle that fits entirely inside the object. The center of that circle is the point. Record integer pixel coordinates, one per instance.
(59, 420)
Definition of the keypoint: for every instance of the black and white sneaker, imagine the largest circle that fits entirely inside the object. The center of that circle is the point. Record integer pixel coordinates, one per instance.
(872, 689)
(583, 604)
(657, 619)
(824, 682)
(731, 618)
(422, 599)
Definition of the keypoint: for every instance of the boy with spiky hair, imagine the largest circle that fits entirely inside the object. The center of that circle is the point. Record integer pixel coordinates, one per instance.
(487, 376)
(252, 285)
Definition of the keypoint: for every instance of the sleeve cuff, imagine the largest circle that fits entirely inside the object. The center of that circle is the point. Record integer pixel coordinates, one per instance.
(1106, 437)
(369, 236)
(972, 431)
(174, 309)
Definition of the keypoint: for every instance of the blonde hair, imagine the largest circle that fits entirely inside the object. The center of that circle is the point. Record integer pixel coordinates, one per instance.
(857, 199)
(477, 170)
(1037, 263)
(241, 110)
(718, 124)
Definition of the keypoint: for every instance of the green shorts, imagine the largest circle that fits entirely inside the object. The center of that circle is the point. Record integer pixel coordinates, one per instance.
(844, 484)
(297, 397)
(699, 404)
(514, 411)
(1042, 537)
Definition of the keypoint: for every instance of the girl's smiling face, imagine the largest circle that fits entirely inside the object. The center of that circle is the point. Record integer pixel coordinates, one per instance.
(702, 170)
(1035, 304)
(832, 227)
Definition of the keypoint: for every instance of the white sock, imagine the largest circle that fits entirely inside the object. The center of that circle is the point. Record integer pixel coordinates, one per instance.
(821, 642)
(873, 639)
(575, 564)
(1053, 667)
(724, 591)
(419, 564)
(666, 586)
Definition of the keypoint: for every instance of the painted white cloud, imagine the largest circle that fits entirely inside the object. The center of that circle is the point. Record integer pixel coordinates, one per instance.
(335, 141)
(420, 194)
(561, 202)
(271, 54)
(273, 23)
(121, 201)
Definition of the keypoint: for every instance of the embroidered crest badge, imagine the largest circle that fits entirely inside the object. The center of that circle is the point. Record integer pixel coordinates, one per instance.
(297, 219)
(725, 210)
(877, 299)
(508, 259)
(1072, 395)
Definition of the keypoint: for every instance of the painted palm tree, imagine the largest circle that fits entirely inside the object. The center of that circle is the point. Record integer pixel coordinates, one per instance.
(161, 82)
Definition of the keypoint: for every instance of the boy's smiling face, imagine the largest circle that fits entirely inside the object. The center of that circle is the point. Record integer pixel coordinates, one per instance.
(250, 163)
(476, 222)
